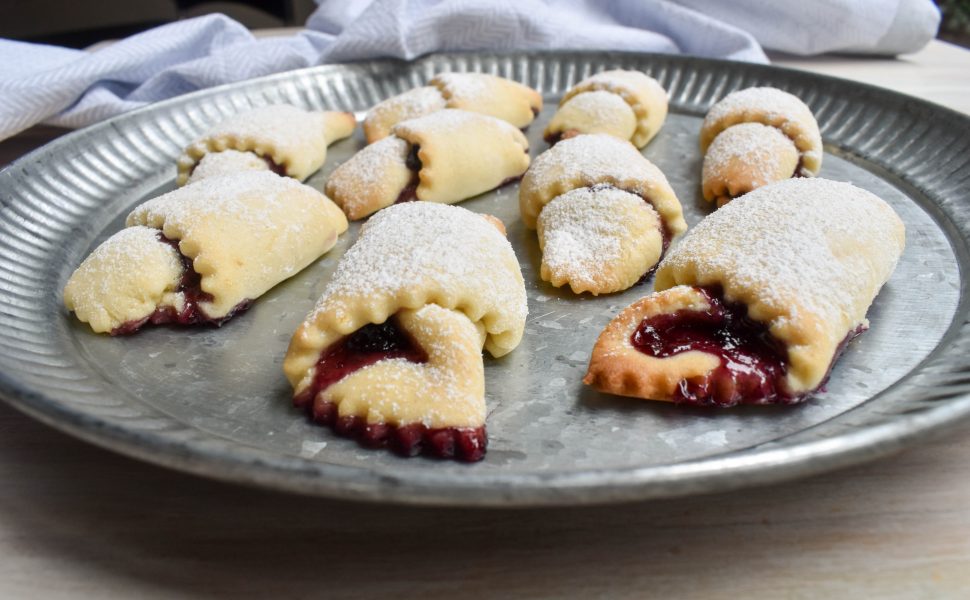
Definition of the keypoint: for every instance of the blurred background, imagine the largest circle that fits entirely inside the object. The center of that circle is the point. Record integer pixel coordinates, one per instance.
(79, 24)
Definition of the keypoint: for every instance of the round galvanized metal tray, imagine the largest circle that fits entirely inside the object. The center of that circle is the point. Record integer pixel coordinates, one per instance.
(214, 401)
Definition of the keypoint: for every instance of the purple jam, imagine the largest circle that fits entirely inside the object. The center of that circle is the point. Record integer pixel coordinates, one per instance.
(274, 166)
(366, 346)
(190, 286)
(413, 163)
(753, 364)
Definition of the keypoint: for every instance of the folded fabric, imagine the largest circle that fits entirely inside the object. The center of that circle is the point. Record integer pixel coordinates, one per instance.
(75, 88)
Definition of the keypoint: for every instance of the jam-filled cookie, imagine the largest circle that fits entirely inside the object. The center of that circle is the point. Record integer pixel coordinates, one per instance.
(203, 252)
(756, 136)
(757, 301)
(482, 93)
(391, 354)
(604, 213)
(446, 156)
(629, 105)
(289, 140)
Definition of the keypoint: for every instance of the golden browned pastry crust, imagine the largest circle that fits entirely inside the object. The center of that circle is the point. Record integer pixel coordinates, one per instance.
(243, 234)
(617, 367)
(589, 160)
(598, 240)
(462, 154)
(627, 104)
(453, 282)
(481, 93)
(294, 139)
(806, 257)
(603, 213)
(740, 156)
(745, 157)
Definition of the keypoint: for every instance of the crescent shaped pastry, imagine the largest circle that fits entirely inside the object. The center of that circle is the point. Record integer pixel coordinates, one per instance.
(391, 354)
(292, 141)
(757, 301)
(755, 136)
(604, 213)
(203, 252)
(629, 105)
(482, 93)
(446, 156)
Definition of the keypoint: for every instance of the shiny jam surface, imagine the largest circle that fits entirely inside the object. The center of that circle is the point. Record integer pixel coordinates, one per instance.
(753, 364)
(366, 346)
(190, 286)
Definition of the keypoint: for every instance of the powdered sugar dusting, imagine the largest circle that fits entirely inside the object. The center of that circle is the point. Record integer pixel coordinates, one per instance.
(277, 125)
(760, 147)
(429, 246)
(452, 120)
(366, 171)
(598, 157)
(225, 194)
(408, 105)
(584, 229)
(775, 102)
(470, 86)
(798, 238)
(226, 163)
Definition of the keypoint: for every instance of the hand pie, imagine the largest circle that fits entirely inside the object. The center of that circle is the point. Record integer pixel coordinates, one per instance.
(292, 141)
(203, 252)
(392, 352)
(629, 105)
(755, 136)
(475, 92)
(604, 213)
(757, 301)
(446, 156)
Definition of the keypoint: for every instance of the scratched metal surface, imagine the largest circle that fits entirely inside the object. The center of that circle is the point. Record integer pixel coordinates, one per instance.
(214, 402)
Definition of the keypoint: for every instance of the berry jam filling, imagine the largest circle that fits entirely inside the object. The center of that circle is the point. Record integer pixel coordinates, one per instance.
(274, 166)
(366, 346)
(413, 163)
(753, 364)
(190, 287)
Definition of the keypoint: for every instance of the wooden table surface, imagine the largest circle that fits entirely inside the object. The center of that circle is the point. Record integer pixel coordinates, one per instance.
(79, 521)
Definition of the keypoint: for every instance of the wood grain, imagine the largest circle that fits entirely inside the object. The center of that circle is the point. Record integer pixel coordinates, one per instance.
(79, 521)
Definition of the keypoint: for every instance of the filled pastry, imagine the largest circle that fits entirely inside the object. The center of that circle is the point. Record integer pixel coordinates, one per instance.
(202, 253)
(475, 92)
(753, 137)
(446, 156)
(391, 354)
(289, 140)
(604, 213)
(757, 301)
(629, 105)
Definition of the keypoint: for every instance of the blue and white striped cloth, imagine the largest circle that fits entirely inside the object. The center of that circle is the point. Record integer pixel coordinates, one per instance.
(74, 88)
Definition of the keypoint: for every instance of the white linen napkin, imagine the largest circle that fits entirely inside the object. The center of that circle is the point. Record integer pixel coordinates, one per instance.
(75, 88)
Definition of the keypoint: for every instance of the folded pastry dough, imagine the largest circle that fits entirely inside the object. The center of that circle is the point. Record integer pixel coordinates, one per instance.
(475, 92)
(756, 136)
(629, 105)
(392, 351)
(203, 252)
(757, 301)
(292, 141)
(604, 213)
(446, 156)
